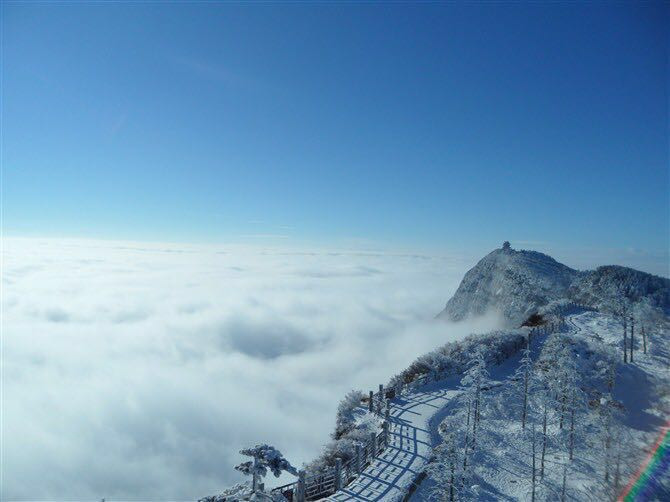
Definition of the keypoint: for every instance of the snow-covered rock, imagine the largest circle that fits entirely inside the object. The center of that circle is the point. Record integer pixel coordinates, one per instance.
(515, 283)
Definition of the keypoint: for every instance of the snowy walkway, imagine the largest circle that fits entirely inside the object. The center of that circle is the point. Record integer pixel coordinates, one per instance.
(409, 447)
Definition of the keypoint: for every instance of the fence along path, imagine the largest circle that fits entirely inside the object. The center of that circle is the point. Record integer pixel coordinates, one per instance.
(388, 462)
(408, 450)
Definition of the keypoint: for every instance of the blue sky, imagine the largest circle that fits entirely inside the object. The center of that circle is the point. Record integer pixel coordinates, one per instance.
(415, 125)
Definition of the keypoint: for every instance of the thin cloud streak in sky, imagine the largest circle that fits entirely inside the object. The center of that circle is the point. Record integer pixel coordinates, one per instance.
(137, 371)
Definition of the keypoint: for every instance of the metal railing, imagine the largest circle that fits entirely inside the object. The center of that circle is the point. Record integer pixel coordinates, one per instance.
(323, 483)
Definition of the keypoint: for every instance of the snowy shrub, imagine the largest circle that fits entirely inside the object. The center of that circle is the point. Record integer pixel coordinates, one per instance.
(452, 358)
(243, 492)
(346, 415)
(344, 447)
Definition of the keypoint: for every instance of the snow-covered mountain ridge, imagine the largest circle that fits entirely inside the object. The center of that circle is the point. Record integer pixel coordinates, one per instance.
(518, 283)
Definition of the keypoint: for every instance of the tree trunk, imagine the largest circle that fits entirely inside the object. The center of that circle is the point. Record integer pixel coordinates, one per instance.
(475, 419)
(632, 337)
(525, 401)
(625, 339)
(617, 472)
(254, 482)
(565, 475)
(572, 430)
(544, 440)
(644, 340)
(451, 479)
(608, 442)
(465, 457)
(533, 473)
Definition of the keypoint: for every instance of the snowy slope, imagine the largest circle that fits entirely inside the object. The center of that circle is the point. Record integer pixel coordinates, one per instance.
(503, 462)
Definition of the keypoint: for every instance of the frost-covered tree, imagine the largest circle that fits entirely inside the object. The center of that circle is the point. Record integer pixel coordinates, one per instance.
(622, 458)
(534, 463)
(607, 408)
(445, 469)
(649, 318)
(474, 380)
(632, 337)
(565, 478)
(543, 399)
(264, 457)
(345, 418)
(522, 378)
(620, 307)
(570, 395)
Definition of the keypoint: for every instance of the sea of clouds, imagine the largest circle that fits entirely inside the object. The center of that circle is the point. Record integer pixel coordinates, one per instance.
(137, 371)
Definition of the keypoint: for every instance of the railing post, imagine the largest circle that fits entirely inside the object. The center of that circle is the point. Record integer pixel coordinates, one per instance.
(370, 403)
(299, 495)
(381, 399)
(388, 409)
(385, 426)
(338, 474)
(373, 445)
(359, 460)
(398, 388)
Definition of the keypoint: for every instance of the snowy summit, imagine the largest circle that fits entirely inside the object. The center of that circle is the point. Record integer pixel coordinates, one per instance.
(519, 283)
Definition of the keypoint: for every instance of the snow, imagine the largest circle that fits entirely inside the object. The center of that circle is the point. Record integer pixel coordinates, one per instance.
(502, 462)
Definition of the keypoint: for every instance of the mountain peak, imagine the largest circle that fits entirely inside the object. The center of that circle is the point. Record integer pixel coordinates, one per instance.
(514, 282)
(518, 282)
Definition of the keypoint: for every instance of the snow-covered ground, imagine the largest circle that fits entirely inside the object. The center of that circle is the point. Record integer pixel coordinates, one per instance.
(502, 463)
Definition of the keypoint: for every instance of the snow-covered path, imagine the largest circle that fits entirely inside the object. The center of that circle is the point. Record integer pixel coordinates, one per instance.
(410, 444)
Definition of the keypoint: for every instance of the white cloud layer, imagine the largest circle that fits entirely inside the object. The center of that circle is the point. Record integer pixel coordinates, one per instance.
(136, 372)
